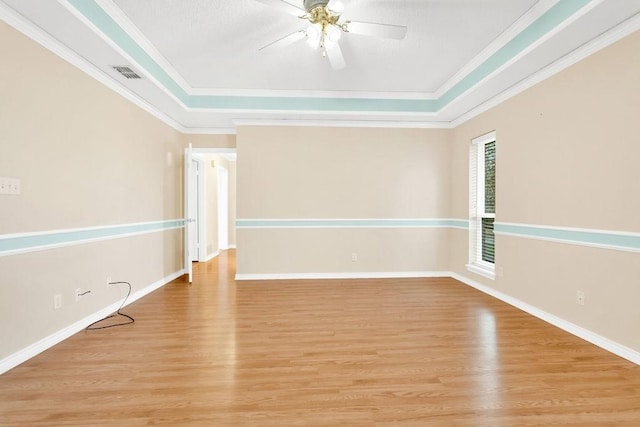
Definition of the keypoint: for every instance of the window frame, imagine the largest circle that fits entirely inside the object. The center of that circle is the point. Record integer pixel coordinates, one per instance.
(477, 211)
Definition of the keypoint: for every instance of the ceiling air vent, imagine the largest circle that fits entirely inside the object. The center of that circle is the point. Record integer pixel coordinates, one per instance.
(127, 72)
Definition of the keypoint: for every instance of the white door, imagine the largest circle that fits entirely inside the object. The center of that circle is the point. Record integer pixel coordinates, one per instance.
(193, 212)
(188, 158)
(223, 208)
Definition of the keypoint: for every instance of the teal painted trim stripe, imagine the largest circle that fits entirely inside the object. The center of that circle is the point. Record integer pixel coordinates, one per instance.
(94, 13)
(603, 239)
(563, 10)
(557, 14)
(352, 223)
(20, 243)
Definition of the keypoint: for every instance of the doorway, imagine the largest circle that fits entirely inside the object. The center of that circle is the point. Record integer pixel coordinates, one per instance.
(210, 202)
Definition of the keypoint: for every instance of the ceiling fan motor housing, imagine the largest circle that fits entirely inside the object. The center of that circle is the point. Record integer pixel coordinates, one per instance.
(309, 5)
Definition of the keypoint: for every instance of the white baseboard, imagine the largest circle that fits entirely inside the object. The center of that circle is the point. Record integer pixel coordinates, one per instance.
(579, 331)
(232, 247)
(356, 275)
(38, 347)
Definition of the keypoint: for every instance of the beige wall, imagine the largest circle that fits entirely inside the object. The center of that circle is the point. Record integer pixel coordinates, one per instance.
(211, 141)
(85, 157)
(567, 155)
(332, 173)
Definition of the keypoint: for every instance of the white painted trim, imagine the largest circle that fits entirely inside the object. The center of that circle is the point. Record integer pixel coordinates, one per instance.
(208, 131)
(16, 20)
(529, 17)
(530, 48)
(215, 151)
(608, 38)
(334, 94)
(139, 68)
(121, 18)
(232, 246)
(212, 256)
(355, 275)
(552, 227)
(585, 334)
(569, 242)
(485, 272)
(343, 123)
(38, 347)
(484, 139)
(202, 208)
(330, 112)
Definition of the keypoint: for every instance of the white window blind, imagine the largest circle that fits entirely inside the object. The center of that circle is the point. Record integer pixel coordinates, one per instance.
(482, 204)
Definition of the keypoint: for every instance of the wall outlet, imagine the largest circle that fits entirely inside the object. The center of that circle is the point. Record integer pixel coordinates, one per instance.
(354, 257)
(109, 282)
(580, 298)
(57, 301)
(77, 294)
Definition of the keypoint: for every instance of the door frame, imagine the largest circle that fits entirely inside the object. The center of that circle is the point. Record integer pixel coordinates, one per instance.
(223, 202)
(189, 152)
(201, 214)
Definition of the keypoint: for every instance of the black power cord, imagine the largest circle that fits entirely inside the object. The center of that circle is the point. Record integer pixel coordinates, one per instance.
(91, 327)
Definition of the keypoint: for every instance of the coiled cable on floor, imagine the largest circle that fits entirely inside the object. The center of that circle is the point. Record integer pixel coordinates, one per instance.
(130, 320)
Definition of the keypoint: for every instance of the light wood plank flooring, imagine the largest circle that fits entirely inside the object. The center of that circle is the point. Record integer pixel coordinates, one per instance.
(416, 352)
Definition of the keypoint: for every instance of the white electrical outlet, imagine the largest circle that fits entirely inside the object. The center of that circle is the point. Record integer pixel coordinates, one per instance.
(109, 282)
(57, 301)
(580, 298)
(77, 293)
(354, 257)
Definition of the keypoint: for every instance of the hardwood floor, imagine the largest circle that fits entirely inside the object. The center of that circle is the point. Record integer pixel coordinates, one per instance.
(419, 352)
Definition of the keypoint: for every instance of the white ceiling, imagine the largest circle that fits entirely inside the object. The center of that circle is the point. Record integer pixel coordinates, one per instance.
(203, 71)
(214, 44)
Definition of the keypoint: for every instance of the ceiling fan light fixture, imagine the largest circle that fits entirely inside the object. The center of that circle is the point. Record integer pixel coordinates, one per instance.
(314, 35)
(333, 33)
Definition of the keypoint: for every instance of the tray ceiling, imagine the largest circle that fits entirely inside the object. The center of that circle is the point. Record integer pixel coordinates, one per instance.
(203, 71)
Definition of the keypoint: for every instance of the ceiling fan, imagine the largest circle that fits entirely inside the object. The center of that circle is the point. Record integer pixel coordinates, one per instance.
(326, 27)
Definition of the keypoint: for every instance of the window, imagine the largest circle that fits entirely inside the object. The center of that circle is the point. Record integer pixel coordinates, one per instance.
(482, 205)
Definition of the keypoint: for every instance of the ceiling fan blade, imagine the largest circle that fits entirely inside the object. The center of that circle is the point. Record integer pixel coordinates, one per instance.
(284, 6)
(285, 41)
(387, 31)
(336, 59)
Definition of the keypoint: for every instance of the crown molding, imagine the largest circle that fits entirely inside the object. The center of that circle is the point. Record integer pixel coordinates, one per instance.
(524, 52)
(617, 33)
(528, 18)
(207, 131)
(343, 124)
(139, 67)
(17, 21)
(120, 18)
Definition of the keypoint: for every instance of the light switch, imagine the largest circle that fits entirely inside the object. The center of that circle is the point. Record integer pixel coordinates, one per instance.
(10, 186)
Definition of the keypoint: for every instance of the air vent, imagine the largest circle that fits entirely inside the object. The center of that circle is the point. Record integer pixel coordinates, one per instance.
(127, 72)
